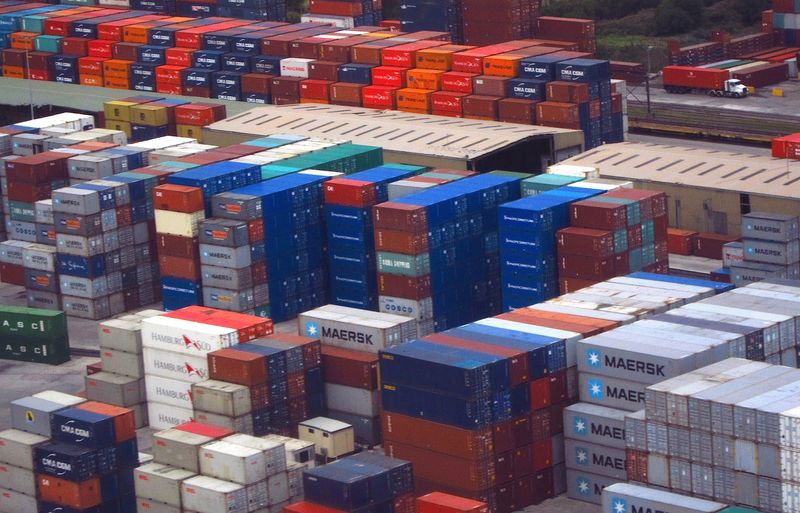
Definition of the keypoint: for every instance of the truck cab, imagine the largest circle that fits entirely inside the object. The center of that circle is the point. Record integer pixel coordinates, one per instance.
(733, 87)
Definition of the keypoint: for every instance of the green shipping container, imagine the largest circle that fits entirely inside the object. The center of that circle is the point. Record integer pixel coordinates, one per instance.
(405, 265)
(50, 44)
(739, 509)
(511, 174)
(21, 211)
(36, 350)
(546, 182)
(35, 323)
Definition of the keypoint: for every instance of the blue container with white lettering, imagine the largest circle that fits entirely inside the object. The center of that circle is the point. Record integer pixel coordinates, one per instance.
(83, 267)
(152, 54)
(179, 293)
(236, 61)
(65, 461)
(356, 73)
(207, 59)
(83, 428)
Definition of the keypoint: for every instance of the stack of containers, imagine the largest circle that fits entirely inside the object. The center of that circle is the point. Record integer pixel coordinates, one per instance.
(725, 431)
(613, 234)
(527, 230)
(425, 181)
(121, 380)
(233, 265)
(205, 468)
(282, 375)
(631, 497)
(351, 339)
(366, 479)
(33, 335)
(77, 454)
(568, 29)
(510, 19)
(771, 248)
(41, 276)
(174, 349)
(417, 226)
(351, 246)
(283, 386)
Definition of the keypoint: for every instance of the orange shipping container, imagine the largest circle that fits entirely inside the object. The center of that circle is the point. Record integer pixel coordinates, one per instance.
(425, 79)
(117, 68)
(140, 33)
(116, 82)
(81, 495)
(414, 100)
(124, 420)
(440, 58)
(92, 80)
(23, 40)
(14, 72)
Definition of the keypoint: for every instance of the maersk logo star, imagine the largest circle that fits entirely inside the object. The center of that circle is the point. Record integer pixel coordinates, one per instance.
(593, 358)
(618, 506)
(580, 426)
(581, 456)
(312, 329)
(595, 389)
(583, 486)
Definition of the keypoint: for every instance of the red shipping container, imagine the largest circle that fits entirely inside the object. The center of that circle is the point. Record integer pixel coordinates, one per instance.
(324, 70)
(308, 507)
(396, 241)
(471, 61)
(458, 82)
(567, 92)
(350, 368)
(240, 367)
(124, 419)
(586, 325)
(680, 242)
(438, 502)
(405, 56)
(389, 76)
(336, 8)
(112, 30)
(598, 215)
(288, 87)
(651, 203)
(585, 241)
(179, 57)
(585, 267)
(503, 436)
(540, 393)
(485, 85)
(557, 114)
(345, 93)
(256, 83)
(315, 89)
(169, 75)
(100, 48)
(445, 101)
(567, 285)
(464, 443)
(202, 429)
(12, 273)
(478, 105)
(528, 316)
(622, 264)
(91, 66)
(83, 495)
(193, 37)
(178, 198)
(514, 110)
(76, 46)
(709, 245)
(353, 193)
(517, 359)
(186, 268)
(379, 97)
(400, 216)
(198, 114)
(504, 466)
(469, 475)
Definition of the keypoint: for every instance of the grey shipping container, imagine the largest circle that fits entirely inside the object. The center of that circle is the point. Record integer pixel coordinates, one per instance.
(106, 387)
(73, 224)
(745, 273)
(367, 430)
(595, 424)
(768, 226)
(122, 363)
(179, 448)
(42, 299)
(94, 309)
(224, 232)
(586, 487)
(32, 414)
(597, 459)
(161, 482)
(611, 392)
(18, 447)
(222, 256)
(769, 252)
(224, 299)
(83, 287)
(236, 206)
(76, 201)
(79, 245)
(629, 498)
(227, 278)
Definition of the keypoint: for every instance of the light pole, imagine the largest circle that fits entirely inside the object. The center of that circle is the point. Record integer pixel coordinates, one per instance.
(647, 81)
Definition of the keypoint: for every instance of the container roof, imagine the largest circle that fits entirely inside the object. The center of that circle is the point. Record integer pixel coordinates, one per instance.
(712, 169)
(393, 130)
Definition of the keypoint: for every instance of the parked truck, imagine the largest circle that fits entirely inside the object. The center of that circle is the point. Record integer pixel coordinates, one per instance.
(716, 82)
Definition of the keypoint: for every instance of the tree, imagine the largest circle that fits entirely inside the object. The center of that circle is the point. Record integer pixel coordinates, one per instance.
(677, 16)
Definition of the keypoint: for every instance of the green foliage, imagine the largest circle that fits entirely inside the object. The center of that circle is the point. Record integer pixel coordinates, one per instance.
(750, 10)
(677, 17)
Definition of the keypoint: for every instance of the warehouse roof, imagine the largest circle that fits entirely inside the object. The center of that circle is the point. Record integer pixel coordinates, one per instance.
(392, 130)
(738, 172)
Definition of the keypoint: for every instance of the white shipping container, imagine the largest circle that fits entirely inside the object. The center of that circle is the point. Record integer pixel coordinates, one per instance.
(358, 401)
(39, 257)
(150, 506)
(278, 488)
(159, 143)
(59, 398)
(178, 335)
(179, 448)
(297, 451)
(240, 424)
(16, 502)
(191, 368)
(169, 391)
(274, 452)
(165, 416)
(208, 495)
(295, 67)
(221, 398)
(361, 331)
(18, 447)
(18, 479)
(257, 496)
(628, 498)
(121, 335)
(160, 482)
(179, 223)
(233, 462)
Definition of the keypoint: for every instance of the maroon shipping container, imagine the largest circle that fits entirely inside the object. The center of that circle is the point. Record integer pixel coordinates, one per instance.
(634, 236)
(598, 215)
(637, 465)
(761, 76)
(540, 425)
(472, 474)
(186, 268)
(479, 105)
(503, 436)
(15, 57)
(176, 245)
(540, 393)
(568, 92)
(37, 169)
(709, 245)
(558, 114)
(346, 93)
(585, 267)
(355, 369)
(28, 192)
(622, 264)
(256, 83)
(394, 241)
(585, 241)
(485, 85)
(651, 203)
(281, 44)
(288, 87)
(504, 466)
(341, 50)
(521, 429)
(404, 286)
(12, 273)
(240, 367)
(469, 444)
(517, 359)
(515, 110)
(400, 216)
(323, 70)
(446, 101)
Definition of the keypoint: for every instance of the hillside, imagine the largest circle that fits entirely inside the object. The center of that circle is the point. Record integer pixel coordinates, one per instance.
(626, 27)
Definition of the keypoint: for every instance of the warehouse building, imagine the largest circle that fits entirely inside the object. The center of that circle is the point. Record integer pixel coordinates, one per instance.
(415, 139)
(707, 190)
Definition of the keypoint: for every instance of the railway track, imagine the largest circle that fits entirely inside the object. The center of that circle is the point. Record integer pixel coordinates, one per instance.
(694, 121)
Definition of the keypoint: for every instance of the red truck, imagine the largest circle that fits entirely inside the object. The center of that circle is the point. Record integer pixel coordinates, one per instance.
(717, 82)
